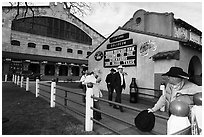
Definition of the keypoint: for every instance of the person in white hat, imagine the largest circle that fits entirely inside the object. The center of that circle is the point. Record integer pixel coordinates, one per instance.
(119, 85)
(178, 87)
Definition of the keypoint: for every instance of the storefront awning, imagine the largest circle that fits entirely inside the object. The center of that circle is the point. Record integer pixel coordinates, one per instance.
(22, 56)
(174, 54)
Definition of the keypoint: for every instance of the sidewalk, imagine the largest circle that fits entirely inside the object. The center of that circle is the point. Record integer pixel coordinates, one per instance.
(29, 115)
(128, 115)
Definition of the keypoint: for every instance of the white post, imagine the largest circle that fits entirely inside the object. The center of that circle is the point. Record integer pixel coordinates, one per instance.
(27, 84)
(162, 87)
(37, 88)
(53, 91)
(6, 78)
(15, 79)
(89, 111)
(21, 82)
(18, 80)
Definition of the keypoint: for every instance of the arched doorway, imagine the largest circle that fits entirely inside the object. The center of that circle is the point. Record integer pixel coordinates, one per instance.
(195, 70)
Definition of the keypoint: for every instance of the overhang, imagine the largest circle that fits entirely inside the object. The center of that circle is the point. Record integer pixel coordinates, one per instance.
(23, 56)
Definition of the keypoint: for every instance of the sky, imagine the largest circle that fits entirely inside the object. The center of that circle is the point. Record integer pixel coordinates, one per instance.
(106, 17)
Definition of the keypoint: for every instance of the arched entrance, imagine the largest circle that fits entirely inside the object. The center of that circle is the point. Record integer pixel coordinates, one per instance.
(195, 70)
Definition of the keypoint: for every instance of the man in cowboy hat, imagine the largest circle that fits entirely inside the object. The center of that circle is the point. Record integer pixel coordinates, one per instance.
(178, 87)
(119, 85)
(110, 83)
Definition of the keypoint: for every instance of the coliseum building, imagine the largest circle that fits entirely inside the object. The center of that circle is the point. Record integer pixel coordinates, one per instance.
(147, 46)
(53, 42)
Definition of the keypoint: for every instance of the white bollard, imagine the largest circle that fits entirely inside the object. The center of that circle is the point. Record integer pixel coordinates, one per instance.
(27, 84)
(15, 79)
(37, 88)
(18, 80)
(162, 87)
(6, 78)
(21, 82)
(53, 91)
(89, 111)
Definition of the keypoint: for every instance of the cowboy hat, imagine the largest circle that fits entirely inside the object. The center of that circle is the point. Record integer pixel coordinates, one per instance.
(120, 67)
(176, 72)
(145, 121)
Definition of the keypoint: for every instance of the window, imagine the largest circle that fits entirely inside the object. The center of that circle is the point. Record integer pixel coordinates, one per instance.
(46, 47)
(51, 27)
(138, 20)
(31, 45)
(69, 50)
(88, 53)
(58, 49)
(80, 52)
(15, 43)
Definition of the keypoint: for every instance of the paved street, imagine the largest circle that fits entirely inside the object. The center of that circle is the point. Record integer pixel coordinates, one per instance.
(128, 115)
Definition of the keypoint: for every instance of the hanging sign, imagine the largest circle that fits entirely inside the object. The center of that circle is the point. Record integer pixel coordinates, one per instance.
(122, 56)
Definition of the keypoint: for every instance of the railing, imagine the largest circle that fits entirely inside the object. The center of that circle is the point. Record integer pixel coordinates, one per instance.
(54, 93)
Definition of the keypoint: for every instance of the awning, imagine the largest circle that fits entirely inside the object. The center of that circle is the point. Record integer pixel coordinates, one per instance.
(22, 56)
(174, 54)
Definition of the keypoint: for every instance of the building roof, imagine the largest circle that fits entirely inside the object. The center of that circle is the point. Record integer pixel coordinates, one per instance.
(187, 26)
(10, 7)
(22, 56)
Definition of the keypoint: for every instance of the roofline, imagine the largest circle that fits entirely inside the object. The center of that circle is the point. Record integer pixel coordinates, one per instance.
(183, 23)
(155, 34)
(102, 42)
(49, 7)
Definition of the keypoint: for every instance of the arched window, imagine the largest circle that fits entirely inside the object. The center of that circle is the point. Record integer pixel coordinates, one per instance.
(15, 43)
(70, 50)
(58, 49)
(46, 47)
(31, 45)
(51, 27)
(80, 52)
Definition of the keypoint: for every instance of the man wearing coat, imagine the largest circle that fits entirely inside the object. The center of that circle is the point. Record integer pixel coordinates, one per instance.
(119, 85)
